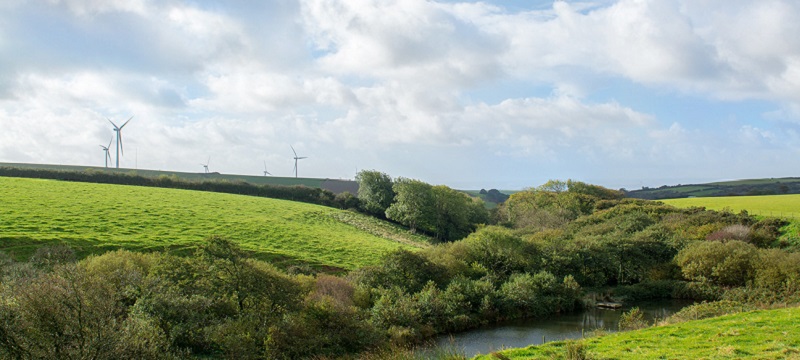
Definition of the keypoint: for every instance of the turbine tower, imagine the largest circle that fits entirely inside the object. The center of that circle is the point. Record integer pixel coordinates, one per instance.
(295, 160)
(105, 149)
(265, 169)
(205, 166)
(118, 130)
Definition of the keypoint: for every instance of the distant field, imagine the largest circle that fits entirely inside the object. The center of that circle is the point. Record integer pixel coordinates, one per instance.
(748, 187)
(335, 185)
(770, 205)
(766, 334)
(93, 218)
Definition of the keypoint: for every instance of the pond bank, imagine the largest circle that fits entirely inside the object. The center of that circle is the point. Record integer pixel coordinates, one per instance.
(521, 333)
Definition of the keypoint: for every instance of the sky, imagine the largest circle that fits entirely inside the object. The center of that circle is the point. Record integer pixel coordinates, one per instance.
(469, 94)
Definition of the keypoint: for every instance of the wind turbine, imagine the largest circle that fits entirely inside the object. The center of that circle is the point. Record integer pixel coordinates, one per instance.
(206, 164)
(265, 169)
(105, 149)
(295, 160)
(118, 130)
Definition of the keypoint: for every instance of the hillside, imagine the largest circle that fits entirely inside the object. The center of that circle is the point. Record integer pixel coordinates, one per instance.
(93, 218)
(765, 334)
(750, 187)
(334, 185)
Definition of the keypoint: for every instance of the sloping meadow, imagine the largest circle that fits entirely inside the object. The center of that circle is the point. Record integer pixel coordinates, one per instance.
(94, 218)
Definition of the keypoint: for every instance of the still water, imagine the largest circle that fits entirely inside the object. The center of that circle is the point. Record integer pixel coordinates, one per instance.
(558, 327)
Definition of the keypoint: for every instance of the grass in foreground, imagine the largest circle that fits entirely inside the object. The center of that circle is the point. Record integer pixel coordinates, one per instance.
(763, 334)
(94, 218)
(770, 205)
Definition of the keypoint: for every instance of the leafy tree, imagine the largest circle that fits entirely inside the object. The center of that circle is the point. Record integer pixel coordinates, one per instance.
(555, 186)
(456, 214)
(375, 191)
(413, 205)
(594, 190)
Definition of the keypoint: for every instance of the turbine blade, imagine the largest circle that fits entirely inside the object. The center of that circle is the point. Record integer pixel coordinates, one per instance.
(119, 138)
(109, 142)
(112, 123)
(126, 123)
(295, 152)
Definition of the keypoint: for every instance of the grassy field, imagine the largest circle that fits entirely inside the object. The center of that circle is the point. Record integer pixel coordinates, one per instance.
(771, 205)
(93, 218)
(765, 334)
(747, 187)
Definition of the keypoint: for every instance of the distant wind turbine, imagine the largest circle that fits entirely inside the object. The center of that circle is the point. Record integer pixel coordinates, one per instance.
(118, 130)
(265, 169)
(295, 160)
(205, 166)
(105, 149)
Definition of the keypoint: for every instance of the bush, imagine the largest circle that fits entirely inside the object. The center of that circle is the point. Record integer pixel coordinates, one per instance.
(47, 257)
(707, 310)
(776, 269)
(730, 232)
(730, 263)
(647, 290)
(632, 320)
(320, 329)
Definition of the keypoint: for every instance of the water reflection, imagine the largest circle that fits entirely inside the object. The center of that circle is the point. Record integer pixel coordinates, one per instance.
(560, 327)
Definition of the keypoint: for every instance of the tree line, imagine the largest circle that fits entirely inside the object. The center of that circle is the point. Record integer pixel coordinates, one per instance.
(439, 211)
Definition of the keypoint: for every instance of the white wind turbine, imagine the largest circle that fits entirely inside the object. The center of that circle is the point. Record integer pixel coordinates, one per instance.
(105, 149)
(295, 160)
(118, 130)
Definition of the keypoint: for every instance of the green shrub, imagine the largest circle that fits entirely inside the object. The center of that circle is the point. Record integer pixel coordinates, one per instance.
(647, 290)
(632, 320)
(320, 329)
(575, 350)
(729, 263)
(776, 269)
(47, 257)
(707, 310)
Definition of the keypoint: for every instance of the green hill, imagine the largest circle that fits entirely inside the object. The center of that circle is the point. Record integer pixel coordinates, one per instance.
(749, 187)
(764, 334)
(334, 185)
(93, 218)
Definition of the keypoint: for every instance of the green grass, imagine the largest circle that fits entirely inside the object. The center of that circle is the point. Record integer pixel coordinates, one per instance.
(93, 218)
(770, 205)
(763, 334)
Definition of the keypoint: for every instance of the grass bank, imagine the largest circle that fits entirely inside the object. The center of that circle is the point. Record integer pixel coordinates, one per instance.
(762, 334)
(94, 218)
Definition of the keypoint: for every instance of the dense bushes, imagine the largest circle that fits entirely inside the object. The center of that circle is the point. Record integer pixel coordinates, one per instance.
(220, 303)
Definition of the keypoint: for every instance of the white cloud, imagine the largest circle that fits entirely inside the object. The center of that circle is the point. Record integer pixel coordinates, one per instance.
(94, 7)
(346, 80)
(410, 41)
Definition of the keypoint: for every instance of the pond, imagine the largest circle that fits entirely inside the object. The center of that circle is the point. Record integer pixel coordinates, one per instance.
(522, 333)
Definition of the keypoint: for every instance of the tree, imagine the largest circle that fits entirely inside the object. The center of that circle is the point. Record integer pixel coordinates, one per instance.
(594, 190)
(413, 205)
(556, 186)
(375, 191)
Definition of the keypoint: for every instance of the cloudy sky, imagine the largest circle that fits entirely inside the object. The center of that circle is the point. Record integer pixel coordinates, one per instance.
(490, 94)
